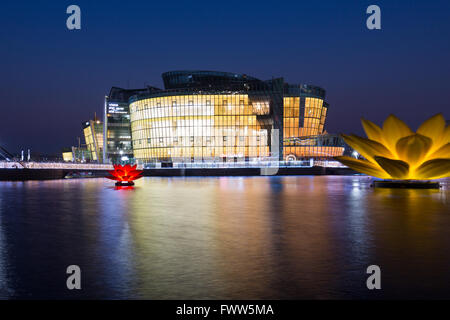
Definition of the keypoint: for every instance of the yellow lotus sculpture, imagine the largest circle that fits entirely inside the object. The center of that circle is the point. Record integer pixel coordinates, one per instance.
(396, 152)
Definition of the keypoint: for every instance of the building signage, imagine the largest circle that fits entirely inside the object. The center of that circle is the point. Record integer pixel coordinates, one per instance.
(115, 108)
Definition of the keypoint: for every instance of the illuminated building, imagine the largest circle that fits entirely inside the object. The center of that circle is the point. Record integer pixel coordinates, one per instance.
(117, 128)
(207, 116)
(304, 116)
(76, 154)
(67, 156)
(93, 135)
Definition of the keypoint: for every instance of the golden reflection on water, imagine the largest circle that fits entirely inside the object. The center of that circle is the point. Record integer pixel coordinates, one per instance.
(220, 237)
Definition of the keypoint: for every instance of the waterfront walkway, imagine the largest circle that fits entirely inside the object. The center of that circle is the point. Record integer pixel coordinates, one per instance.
(19, 170)
(54, 165)
(195, 165)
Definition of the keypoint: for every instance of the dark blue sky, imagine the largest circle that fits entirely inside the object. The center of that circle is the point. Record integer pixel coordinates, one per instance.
(52, 79)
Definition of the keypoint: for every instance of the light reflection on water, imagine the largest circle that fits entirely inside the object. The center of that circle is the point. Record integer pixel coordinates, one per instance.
(223, 238)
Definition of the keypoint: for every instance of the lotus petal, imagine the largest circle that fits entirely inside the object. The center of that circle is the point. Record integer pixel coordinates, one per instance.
(134, 173)
(393, 130)
(413, 148)
(434, 169)
(113, 173)
(373, 131)
(367, 148)
(112, 178)
(446, 135)
(434, 129)
(443, 152)
(438, 142)
(363, 167)
(397, 169)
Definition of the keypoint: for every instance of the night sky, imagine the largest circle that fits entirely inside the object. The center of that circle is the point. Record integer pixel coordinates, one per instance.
(53, 79)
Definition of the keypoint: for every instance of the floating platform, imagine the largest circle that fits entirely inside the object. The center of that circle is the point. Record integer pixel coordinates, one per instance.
(404, 184)
(124, 183)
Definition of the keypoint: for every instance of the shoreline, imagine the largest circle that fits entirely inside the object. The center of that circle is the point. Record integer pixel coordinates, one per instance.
(52, 174)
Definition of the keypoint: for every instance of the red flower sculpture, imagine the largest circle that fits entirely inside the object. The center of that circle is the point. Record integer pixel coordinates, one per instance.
(124, 175)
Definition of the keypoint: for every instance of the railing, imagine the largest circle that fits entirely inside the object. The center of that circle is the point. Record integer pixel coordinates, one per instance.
(10, 165)
(329, 164)
(200, 165)
(54, 165)
(250, 164)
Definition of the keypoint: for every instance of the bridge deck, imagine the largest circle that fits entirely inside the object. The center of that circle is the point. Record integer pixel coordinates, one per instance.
(54, 165)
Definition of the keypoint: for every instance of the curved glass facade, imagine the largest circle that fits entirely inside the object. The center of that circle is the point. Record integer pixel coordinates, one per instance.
(303, 125)
(199, 127)
(205, 79)
(303, 117)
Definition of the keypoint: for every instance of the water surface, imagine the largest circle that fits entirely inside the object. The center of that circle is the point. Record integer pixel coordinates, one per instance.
(223, 238)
